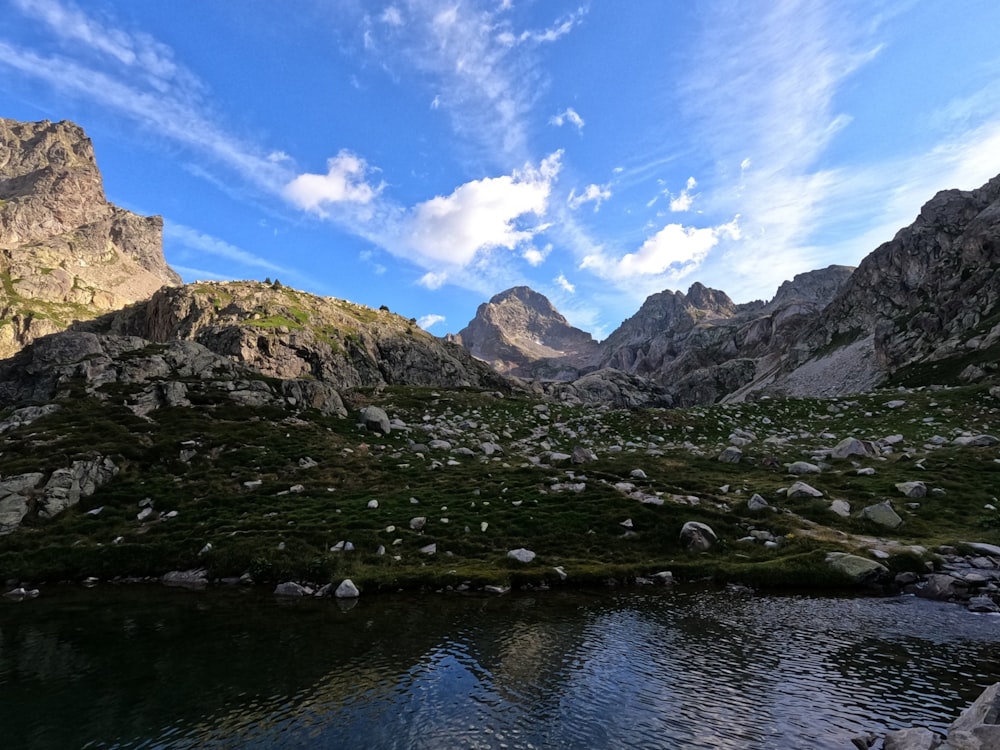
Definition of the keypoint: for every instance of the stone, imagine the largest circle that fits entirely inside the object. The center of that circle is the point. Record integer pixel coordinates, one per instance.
(883, 515)
(417, 523)
(912, 489)
(290, 588)
(372, 504)
(977, 441)
(841, 507)
(913, 738)
(637, 474)
(803, 467)
(867, 471)
(521, 555)
(347, 590)
(375, 419)
(145, 514)
(983, 604)
(849, 447)
(731, 455)
(978, 726)
(984, 549)
(191, 579)
(756, 502)
(583, 455)
(858, 569)
(801, 489)
(698, 537)
(428, 549)
(942, 587)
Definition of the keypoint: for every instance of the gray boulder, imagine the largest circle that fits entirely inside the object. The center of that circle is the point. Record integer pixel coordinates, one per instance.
(347, 590)
(912, 489)
(978, 726)
(801, 489)
(731, 455)
(914, 738)
(858, 569)
(756, 502)
(698, 537)
(883, 515)
(850, 447)
(803, 467)
(841, 507)
(521, 555)
(290, 588)
(375, 419)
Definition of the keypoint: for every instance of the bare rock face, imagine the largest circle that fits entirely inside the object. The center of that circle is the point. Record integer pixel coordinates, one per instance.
(519, 327)
(65, 253)
(285, 333)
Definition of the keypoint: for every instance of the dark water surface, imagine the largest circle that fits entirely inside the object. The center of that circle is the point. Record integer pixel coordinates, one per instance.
(137, 668)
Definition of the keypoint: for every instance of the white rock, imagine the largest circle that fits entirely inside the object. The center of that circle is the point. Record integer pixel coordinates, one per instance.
(428, 549)
(347, 590)
(372, 504)
(417, 523)
(521, 554)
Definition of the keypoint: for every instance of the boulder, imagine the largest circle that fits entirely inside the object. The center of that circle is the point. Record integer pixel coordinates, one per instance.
(849, 447)
(943, 587)
(978, 726)
(290, 588)
(803, 467)
(883, 515)
(583, 455)
(731, 455)
(977, 441)
(375, 419)
(698, 537)
(521, 555)
(914, 738)
(912, 489)
(347, 590)
(801, 489)
(188, 579)
(858, 569)
(841, 507)
(756, 502)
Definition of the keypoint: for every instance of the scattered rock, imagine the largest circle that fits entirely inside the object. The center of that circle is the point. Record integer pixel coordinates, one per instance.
(756, 502)
(883, 515)
(850, 447)
(801, 489)
(858, 569)
(375, 419)
(841, 508)
(731, 455)
(290, 588)
(521, 555)
(347, 590)
(912, 489)
(417, 523)
(698, 537)
(803, 467)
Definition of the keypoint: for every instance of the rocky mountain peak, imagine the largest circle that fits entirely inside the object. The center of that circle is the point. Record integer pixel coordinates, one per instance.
(519, 327)
(66, 253)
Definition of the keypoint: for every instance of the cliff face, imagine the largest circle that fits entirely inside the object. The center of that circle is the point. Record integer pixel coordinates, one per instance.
(519, 327)
(285, 333)
(65, 253)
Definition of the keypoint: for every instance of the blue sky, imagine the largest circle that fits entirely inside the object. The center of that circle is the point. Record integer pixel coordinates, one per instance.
(427, 154)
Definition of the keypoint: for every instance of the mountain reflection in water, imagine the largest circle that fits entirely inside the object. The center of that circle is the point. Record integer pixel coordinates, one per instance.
(138, 668)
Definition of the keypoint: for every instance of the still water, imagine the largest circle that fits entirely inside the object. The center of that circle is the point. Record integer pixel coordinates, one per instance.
(134, 668)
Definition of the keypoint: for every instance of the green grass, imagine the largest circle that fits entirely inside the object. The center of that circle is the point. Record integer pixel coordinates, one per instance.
(275, 533)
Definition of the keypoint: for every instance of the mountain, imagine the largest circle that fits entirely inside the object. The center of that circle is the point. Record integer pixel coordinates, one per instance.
(66, 253)
(520, 327)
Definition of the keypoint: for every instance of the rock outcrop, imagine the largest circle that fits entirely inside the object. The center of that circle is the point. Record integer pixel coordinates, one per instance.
(519, 328)
(284, 333)
(65, 253)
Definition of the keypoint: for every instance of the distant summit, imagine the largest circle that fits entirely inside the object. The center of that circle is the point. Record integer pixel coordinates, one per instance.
(518, 328)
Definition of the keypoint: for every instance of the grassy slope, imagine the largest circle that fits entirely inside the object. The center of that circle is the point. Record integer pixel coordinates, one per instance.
(277, 534)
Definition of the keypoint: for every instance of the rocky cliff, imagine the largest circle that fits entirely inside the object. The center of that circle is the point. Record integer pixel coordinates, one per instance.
(518, 328)
(285, 333)
(65, 253)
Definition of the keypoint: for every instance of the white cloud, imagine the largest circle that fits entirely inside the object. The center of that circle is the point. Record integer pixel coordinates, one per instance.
(426, 321)
(569, 115)
(672, 253)
(682, 202)
(595, 194)
(433, 280)
(448, 231)
(564, 283)
(344, 182)
(536, 257)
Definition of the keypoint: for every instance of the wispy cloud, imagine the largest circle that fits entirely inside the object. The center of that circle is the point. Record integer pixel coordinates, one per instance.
(595, 194)
(565, 283)
(482, 70)
(682, 201)
(568, 115)
(136, 76)
(192, 239)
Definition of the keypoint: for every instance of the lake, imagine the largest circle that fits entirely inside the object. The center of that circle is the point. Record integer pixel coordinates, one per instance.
(138, 667)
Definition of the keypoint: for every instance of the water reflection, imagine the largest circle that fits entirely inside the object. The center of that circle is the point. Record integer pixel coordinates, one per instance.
(698, 669)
